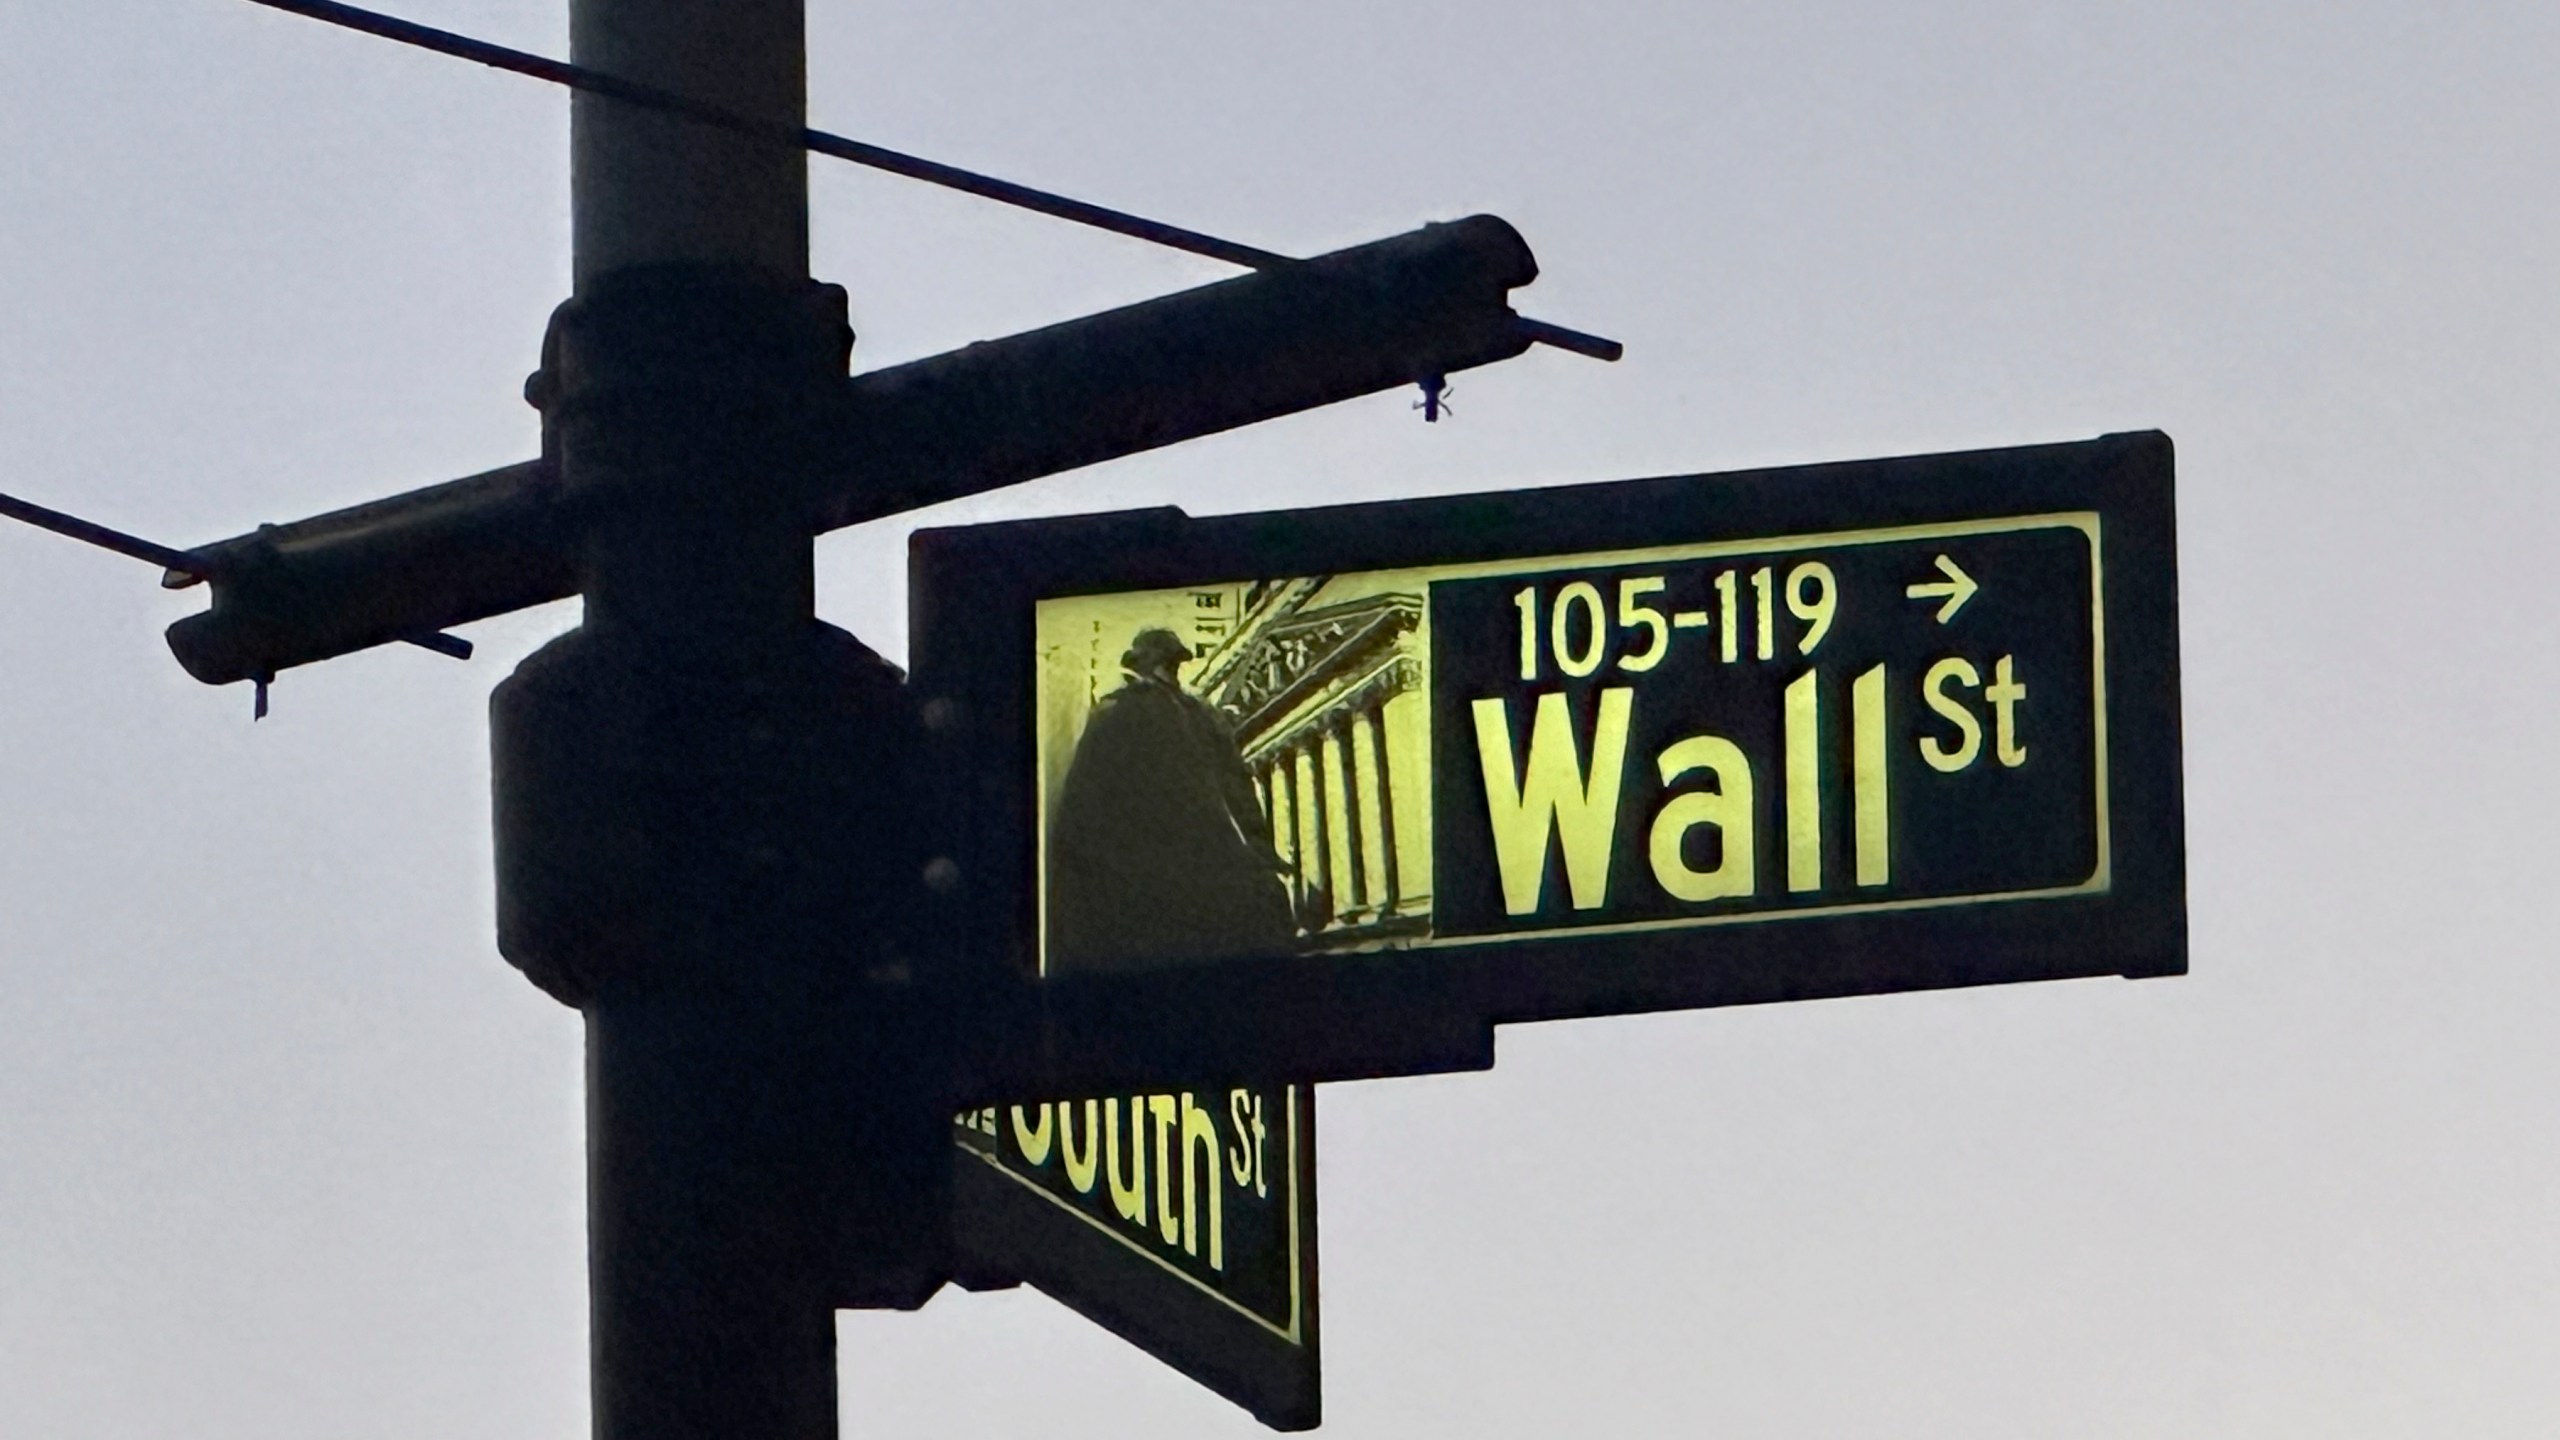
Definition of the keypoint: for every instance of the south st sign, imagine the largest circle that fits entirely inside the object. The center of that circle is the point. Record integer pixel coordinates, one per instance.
(1184, 1221)
(1599, 749)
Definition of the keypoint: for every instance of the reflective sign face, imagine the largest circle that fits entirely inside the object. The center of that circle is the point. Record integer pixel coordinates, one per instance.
(1702, 740)
(1660, 738)
(1864, 719)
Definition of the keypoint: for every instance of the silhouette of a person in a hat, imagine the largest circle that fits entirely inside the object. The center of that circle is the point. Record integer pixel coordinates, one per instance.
(1159, 853)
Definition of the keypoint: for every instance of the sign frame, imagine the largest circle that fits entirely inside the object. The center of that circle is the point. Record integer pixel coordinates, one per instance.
(973, 592)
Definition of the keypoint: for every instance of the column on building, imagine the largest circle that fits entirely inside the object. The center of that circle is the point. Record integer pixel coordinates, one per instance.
(1405, 726)
(1377, 868)
(1272, 779)
(1313, 877)
(1341, 865)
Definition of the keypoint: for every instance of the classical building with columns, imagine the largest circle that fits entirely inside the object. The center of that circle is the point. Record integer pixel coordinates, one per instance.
(1325, 680)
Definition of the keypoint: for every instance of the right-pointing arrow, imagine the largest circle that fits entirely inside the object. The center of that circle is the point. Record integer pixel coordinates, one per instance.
(1957, 588)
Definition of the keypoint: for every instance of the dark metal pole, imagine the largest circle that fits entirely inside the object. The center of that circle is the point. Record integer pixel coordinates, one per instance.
(700, 792)
(648, 188)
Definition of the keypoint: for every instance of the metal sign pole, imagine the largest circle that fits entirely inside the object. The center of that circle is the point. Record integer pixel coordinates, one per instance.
(697, 791)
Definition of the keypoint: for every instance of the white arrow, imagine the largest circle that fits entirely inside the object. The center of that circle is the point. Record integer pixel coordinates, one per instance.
(1958, 587)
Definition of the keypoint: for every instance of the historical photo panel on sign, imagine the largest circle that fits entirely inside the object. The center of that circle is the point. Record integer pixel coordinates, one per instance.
(1234, 770)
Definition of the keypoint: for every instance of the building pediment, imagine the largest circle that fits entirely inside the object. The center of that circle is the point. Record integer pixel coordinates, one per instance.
(1280, 664)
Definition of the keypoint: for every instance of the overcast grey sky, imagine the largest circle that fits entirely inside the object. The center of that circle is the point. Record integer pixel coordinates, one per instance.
(287, 1151)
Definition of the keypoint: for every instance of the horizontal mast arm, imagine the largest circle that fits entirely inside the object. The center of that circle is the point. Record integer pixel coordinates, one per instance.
(1358, 321)
(449, 554)
(1370, 318)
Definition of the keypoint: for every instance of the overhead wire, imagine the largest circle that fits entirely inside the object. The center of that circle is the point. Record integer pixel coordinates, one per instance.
(821, 142)
(174, 560)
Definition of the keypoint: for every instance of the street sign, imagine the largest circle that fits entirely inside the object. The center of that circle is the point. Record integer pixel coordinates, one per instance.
(1652, 744)
(1184, 1222)
(1642, 745)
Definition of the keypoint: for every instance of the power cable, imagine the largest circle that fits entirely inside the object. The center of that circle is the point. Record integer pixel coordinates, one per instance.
(169, 558)
(932, 172)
